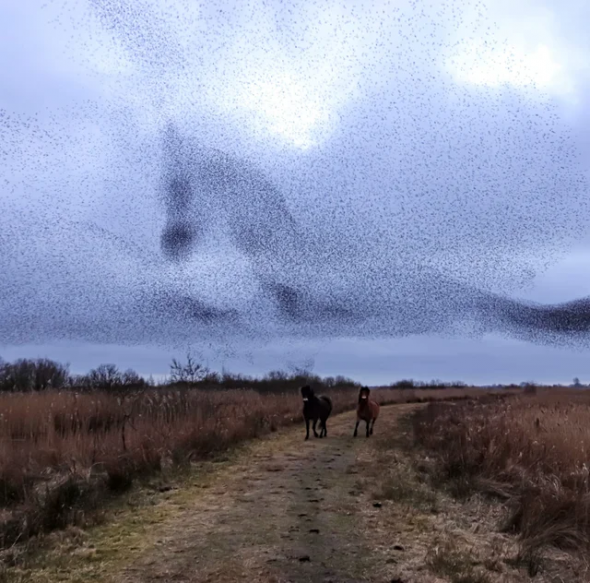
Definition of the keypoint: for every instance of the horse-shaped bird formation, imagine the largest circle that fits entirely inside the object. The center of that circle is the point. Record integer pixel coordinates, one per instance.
(304, 288)
(301, 281)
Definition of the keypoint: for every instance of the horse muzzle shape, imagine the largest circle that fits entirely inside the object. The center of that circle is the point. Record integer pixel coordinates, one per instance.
(178, 240)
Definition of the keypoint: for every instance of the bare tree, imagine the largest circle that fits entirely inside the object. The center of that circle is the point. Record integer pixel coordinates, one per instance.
(189, 372)
(33, 375)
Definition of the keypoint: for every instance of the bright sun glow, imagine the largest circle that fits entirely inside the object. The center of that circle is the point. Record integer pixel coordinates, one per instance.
(286, 108)
(482, 64)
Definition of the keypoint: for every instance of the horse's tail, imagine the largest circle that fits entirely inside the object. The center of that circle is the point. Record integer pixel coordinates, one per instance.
(328, 401)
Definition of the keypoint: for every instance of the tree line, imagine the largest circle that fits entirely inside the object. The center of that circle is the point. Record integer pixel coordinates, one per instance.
(40, 374)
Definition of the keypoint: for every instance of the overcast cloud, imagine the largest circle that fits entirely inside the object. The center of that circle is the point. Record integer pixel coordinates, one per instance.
(373, 189)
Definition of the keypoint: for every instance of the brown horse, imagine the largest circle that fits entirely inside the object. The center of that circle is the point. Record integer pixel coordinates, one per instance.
(367, 410)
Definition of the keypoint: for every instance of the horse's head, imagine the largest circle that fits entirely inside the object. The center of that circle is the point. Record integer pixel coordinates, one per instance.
(306, 393)
(364, 394)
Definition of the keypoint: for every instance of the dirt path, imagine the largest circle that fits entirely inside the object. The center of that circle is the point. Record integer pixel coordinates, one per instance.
(287, 511)
(338, 510)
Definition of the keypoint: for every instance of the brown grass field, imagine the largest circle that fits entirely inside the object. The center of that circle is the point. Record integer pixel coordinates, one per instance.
(63, 454)
(532, 451)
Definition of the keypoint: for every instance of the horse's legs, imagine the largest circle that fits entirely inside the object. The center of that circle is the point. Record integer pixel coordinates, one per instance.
(306, 428)
(325, 428)
(373, 426)
(356, 427)
(368, 425)
(314, 424)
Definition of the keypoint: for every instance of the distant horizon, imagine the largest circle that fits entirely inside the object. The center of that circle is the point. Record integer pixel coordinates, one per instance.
(82, 358)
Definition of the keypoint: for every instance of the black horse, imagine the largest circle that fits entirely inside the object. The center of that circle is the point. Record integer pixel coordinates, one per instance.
(315, 408)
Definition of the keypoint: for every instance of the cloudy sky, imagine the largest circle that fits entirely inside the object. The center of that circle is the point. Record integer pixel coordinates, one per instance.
(372, 186)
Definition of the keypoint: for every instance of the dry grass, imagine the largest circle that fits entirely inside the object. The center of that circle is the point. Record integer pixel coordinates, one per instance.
(532, 450)
(455, 564)
(62, 454)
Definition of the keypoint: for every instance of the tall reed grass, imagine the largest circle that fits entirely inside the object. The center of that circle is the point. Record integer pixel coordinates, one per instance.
(63, 453)
(532, 450)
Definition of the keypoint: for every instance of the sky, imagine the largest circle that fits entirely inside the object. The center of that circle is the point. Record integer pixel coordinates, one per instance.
(368, 189)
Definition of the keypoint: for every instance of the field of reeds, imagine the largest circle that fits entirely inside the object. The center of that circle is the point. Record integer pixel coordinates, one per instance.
(532, 451)
(64, 453)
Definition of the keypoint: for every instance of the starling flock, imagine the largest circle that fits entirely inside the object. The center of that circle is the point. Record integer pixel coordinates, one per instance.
(277, 169)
